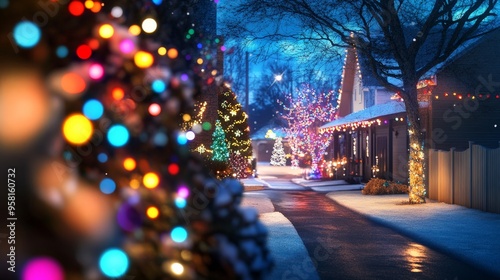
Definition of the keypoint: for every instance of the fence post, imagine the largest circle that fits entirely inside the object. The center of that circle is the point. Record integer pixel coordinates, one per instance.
(470, 174)
(452, 174)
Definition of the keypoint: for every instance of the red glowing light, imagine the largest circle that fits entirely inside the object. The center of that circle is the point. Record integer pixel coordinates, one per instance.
(84, 52)
(76, 8)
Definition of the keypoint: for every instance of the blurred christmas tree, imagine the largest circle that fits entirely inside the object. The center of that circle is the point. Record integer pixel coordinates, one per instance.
(90, 105)
(278, 157)
(220, 152)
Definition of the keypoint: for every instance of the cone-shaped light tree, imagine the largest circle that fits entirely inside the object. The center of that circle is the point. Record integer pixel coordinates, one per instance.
(278, 156)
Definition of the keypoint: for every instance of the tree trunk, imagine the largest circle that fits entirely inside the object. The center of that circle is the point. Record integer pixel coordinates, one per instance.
(416, 163)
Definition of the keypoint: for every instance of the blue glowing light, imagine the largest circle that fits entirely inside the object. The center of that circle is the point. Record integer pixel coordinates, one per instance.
(27, 34)
(199, 45)
(93, 109)
(107, 186)
(113, 263)
(179, 234)
(102, 157)
(157, 2)
(118, 135)
(182, 139)
(62, 51)
(158, 86)
(160, 139)
(180, 202)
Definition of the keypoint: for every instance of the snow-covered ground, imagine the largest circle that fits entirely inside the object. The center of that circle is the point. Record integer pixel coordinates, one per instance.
(468, 234)
(266, 171)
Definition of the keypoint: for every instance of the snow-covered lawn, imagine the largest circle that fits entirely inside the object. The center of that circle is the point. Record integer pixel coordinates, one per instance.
(265, 170)
(469, 234)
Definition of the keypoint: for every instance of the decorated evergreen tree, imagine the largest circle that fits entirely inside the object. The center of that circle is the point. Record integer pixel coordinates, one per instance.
(234, 121)
(220, 152)
(278, 157)
(92, 99)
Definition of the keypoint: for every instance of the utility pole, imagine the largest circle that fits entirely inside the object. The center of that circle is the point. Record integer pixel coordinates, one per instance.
(247, 86)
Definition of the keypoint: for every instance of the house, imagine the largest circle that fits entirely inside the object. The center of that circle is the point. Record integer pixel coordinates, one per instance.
(459, 102)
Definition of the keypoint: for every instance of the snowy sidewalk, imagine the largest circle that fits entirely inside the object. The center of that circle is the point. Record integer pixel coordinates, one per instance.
(468, 234)
(287, 249)
(327, 186)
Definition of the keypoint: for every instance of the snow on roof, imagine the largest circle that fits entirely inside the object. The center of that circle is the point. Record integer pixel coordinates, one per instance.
(373, 112)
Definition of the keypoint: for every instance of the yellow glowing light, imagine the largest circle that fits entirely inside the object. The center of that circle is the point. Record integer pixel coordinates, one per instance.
(129, 164)
(77, 129)
(89, 4)
(143, 59)
(117, 93)
(106, 31)
(177, 268)
(186, 117)
(135, 184)
(162, 51)
(199, 61)
(149, 25)
(150, 180)
(214, 72)
(172, 53)
(134, 30)
(152, 212)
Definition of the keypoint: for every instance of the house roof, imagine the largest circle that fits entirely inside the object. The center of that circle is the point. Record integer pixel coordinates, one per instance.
(370, 114)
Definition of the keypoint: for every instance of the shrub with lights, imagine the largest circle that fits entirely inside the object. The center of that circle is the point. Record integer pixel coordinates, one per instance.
(95, 98)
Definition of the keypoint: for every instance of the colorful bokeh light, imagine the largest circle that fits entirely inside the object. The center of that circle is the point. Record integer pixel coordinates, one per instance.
(151, 180)
(93, 109)
(107, 186)
(129, 164)
(77, 129)
(118, 135)
(152, 212)
(149, 25)
(84, 52)
(118, 93)
(26, 34)
(127, 46)
(172, 53)
(154, 109)
(96, 71)
(158, 86)
(173, 168)
(106, 31)
(179, 234)
(113, 263)
(73, 83)
(76, 8)
(134, 30)
(42, 268)
(143, 59)
(180, 202)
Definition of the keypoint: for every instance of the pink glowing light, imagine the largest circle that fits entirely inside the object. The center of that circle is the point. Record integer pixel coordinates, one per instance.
(96, 71)
(127, 46)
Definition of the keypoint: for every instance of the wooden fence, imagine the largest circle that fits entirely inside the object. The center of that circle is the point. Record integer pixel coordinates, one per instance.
(470, 178)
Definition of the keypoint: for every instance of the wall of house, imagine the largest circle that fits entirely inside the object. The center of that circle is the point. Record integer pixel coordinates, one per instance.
(358, 102)
(399, 152)
(382, 96)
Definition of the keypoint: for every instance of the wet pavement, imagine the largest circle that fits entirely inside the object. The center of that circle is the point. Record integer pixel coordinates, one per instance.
(346, 245)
